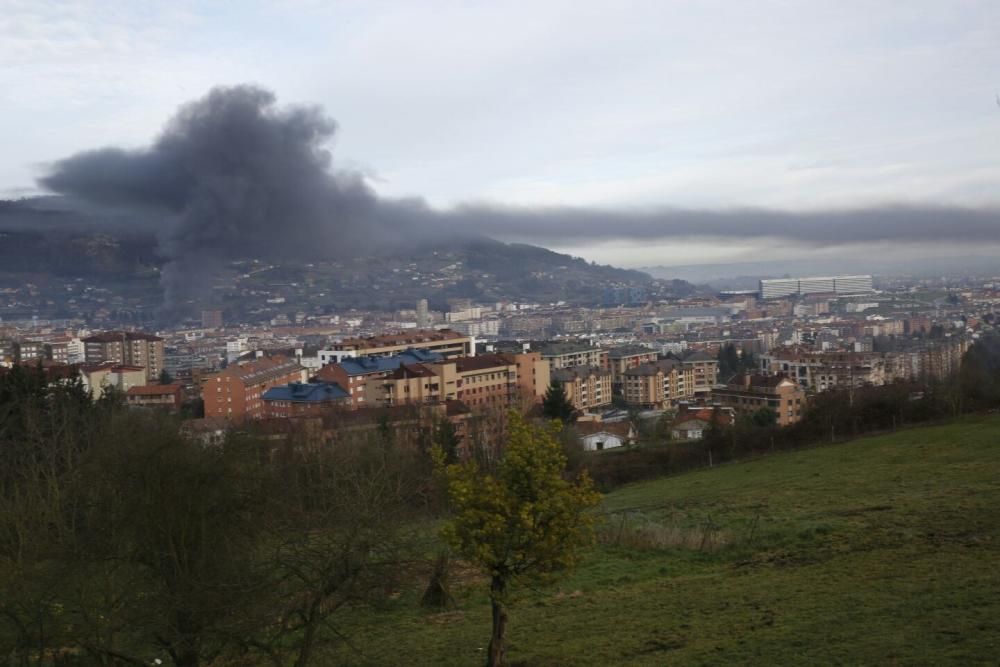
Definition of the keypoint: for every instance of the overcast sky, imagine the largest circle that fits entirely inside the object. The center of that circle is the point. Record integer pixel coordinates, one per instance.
(699, 105)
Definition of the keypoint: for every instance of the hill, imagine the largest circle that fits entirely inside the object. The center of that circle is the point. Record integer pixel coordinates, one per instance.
(47, 240)
(884, 550)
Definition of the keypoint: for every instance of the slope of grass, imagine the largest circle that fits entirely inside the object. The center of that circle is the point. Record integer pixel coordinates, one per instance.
(884, 550)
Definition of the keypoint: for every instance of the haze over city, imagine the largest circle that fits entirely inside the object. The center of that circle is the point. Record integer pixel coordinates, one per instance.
(634, 134)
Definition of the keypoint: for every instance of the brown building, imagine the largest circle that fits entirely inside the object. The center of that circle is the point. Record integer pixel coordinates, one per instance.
(749, 393)
(484, 381)
(304, 399)
(132, 348)
(354, 374)
(211, 319)
(621, 359)
(586, 387)
(570, 354)
(533, 376)
(445, 342)
(658, 385)
(236, 393)
(410, 385)
(161, 396)
(706, 371)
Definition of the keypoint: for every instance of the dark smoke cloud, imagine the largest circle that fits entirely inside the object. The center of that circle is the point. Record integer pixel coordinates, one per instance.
(233, 175)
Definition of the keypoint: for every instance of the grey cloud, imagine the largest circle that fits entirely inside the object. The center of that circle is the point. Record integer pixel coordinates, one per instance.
(901, 223)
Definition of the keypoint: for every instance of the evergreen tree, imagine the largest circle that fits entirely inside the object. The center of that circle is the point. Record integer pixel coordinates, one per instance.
(555, 404)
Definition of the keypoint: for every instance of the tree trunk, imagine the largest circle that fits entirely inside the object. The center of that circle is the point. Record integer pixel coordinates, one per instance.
(498, 646)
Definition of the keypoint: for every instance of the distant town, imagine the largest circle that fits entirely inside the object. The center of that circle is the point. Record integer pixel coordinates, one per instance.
(779, 347)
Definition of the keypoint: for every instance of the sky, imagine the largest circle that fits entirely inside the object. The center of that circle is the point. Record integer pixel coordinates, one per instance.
(629, 106)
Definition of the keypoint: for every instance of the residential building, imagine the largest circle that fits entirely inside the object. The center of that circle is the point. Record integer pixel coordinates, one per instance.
(621, 359)
(660, 384)
(446, 342)
(97, 378)
(352, 374)
(236, 392)
(706, 371)
(691, 423)
(749, 393)
(484, 381)
(423, 315)
(570, 354)
(598, 436)
(211, 319)
(533, 376)
(132, 348)
(819, 371)
(586, 387)
(300, 399)
(167, 397)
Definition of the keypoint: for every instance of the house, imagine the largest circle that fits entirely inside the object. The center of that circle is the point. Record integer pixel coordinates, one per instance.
(598, 436)
(692, 422)
(162, 396)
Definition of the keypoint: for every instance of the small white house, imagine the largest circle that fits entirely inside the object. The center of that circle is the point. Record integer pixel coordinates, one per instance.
(596, 437)
(601, 440)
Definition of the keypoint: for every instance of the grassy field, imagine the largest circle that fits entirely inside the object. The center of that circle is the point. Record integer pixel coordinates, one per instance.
(882, 551)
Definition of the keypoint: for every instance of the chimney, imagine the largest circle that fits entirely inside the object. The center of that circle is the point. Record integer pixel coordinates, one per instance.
(259, 354)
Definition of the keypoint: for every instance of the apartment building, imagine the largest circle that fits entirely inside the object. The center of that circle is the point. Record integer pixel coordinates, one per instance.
(132, 348)
(749, 393)
(533, 376)
(586, 387)
(481, 382)
(98, 378)
(706, 371)
(167, 397)
(304, 399)
(572, 354)
(446, 342)
(236, 393)
(621, 359)
(352, 374)
(660, 384)
(819, 371)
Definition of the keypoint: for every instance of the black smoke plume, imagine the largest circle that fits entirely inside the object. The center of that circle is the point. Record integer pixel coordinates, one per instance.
(232, 176)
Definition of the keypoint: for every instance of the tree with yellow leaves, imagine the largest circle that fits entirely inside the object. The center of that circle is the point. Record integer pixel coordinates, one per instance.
(525, 521)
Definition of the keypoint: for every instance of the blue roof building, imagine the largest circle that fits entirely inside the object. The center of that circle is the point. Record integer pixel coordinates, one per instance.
(369, 365)
(299, 398)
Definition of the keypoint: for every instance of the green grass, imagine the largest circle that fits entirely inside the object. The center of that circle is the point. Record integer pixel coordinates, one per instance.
(882, 551)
